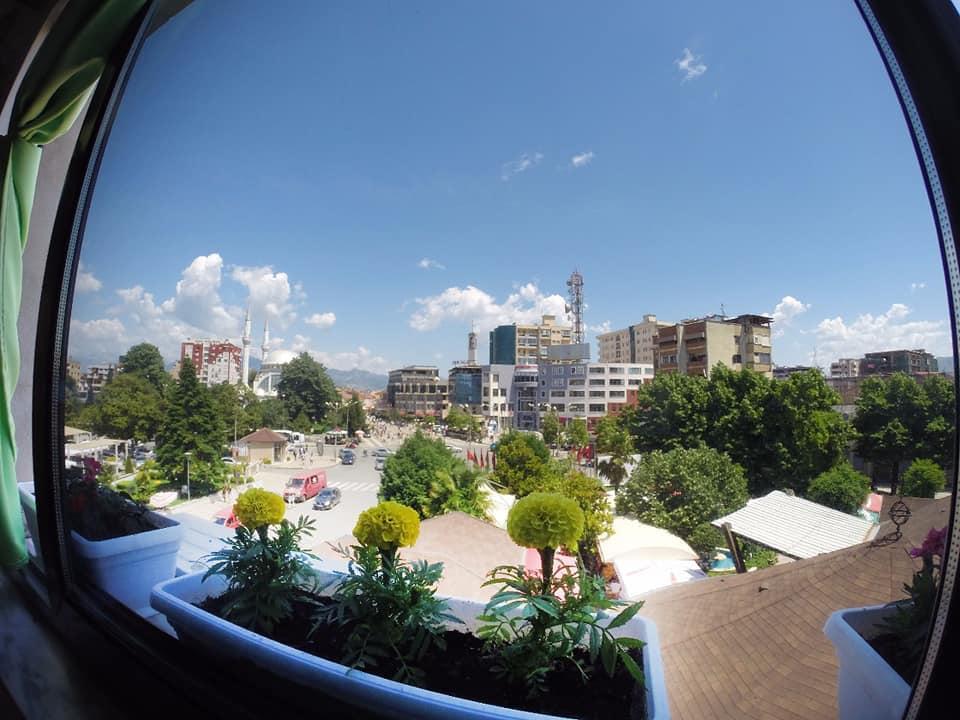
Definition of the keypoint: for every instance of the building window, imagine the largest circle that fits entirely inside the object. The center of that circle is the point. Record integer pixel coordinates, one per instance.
(558, 393)
(576, 382)
(617, 394)
(598, 393)
(634, 370)
(616, 381)
(633, 381)
(594, 370)
(576, 393)
(598, 408)
(616, 370)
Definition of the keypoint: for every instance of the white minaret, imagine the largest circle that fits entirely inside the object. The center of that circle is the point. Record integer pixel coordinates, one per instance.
(245, 361)
(265, 348)
(472, 346)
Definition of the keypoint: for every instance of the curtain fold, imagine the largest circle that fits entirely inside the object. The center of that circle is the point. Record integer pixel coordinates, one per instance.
(47, 114)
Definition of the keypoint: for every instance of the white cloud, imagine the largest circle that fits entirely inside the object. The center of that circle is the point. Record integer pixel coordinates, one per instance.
(86, 281)
(786, 310)
(690, 65)
(197, 298)
(470, 303)
(870, 333)
(268, 294)
(603, 327)
(430, 264)
(582, 159)
(361, 358)
(917, 286)
(521, 164)
(321, 320)
(100, 340)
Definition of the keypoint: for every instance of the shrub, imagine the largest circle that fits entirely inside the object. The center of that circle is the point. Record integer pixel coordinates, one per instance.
(426, 476)
(924, 478)
(681, 489)
(841, 488)
(128, 466)
(265, 574)
(704, 539)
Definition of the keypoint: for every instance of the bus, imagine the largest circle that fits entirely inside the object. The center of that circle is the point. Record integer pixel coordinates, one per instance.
(335, 437)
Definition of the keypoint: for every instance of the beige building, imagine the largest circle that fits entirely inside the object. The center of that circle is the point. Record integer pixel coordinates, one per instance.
(262, 444)
(527, 344)
(633, 344)
(694, 347)
(417, 390)
(73, 371)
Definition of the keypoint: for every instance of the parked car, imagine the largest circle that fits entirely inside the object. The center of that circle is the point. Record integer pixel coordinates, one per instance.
(226, 518)
(454, 449)
(305, 485)
(328, 498)
(348, 457)
(379, 463)
(382, 452)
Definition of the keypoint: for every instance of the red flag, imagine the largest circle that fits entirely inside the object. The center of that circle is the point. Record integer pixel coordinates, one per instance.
(481, 461)
(470, 456)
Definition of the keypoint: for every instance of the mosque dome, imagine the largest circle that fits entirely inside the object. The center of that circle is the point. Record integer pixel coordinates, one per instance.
(278, 358)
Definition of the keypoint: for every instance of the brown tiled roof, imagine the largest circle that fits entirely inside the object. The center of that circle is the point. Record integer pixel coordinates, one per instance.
(752, 645)
(263, 435)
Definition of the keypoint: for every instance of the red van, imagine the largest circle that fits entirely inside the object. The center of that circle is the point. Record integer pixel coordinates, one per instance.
(305, 485)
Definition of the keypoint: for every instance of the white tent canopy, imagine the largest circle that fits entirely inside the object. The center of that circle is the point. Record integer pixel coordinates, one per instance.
(647, 557)
(630, 537)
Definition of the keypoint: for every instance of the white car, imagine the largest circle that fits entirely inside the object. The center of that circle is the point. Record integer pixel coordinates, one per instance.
(454, 449)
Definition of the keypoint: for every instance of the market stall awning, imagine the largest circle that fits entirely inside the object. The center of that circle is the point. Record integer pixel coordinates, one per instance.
(797, 527)
(634, 538)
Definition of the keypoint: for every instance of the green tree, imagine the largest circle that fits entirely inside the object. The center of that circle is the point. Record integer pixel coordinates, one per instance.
(671, 412)
(239, 409)
(273, 413)
(704, 539)
(73, 404)
(937, 440)
(306, 388)
(356, 417)
(590, 495)
(128, 407)
(891, 423)
(576, 433)
(841, 488)
(681, 489)
(522, 463)
(146, 361)
(425, 475)
(191, 425)
(924, 478)
(803, 435)
(616, 442)
(550, 428)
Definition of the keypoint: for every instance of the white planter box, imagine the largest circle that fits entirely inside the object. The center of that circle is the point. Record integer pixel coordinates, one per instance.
(128, 567)
(175, 599)
(868, 688)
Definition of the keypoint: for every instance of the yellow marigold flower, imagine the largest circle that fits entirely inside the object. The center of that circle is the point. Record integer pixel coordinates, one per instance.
(259, 508)
(388, 525)
(545, 520)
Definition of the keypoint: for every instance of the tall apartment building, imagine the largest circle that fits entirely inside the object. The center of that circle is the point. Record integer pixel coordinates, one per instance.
(497, 402)
(417, 390)
(911, 362)
(527, 344)
(465, 387)
(73, 371)
(525, 397)
(590, 391)
(216, 361)
(96, 377)
(633, 344)
(782, 372)
(694, 347)
(845, 368)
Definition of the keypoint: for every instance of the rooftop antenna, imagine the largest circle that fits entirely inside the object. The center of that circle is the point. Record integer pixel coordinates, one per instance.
(723, 311)
(575, 305)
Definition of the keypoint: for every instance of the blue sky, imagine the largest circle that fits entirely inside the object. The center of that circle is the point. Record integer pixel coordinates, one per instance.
(374, 178)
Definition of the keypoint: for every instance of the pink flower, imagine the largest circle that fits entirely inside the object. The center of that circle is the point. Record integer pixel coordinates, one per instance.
(933, 544)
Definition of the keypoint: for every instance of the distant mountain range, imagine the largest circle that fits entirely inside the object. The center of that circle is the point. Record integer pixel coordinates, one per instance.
(357, 379)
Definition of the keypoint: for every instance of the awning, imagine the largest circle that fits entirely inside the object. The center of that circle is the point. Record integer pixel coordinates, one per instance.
(632, 538)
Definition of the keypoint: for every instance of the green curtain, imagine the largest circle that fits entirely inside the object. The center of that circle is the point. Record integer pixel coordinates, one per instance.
(46, 110)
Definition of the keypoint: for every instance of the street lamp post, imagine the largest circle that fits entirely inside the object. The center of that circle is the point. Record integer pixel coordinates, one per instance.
(187, 455)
